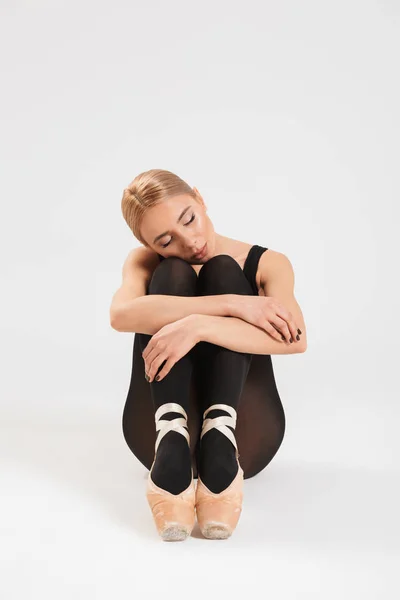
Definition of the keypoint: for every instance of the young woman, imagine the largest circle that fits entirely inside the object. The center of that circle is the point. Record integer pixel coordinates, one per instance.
(208, 312)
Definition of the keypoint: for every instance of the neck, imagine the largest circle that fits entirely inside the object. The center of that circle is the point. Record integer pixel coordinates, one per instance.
(223, 244)
(220, 244)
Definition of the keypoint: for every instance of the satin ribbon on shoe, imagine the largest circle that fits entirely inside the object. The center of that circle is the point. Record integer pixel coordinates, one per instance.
(221, 423)
(178, 424)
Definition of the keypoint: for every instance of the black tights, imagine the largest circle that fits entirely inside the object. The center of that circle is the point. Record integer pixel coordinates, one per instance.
(208, 374)
(223, 375)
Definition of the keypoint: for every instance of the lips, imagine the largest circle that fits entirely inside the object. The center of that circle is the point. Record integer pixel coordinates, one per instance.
(202, 251)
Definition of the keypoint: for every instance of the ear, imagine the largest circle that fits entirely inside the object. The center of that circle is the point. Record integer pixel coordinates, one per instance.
(199, 198)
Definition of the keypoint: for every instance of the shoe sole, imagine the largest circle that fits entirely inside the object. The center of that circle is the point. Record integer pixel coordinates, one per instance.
(174, 533)
(216, 531)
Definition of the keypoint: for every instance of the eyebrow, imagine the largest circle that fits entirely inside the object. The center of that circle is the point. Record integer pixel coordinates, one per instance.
(179, 218)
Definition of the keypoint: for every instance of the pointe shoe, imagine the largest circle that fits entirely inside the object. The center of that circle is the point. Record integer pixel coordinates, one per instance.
(218, 514)
(174, 514)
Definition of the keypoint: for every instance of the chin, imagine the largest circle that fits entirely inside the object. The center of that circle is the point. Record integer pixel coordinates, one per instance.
(202, 258)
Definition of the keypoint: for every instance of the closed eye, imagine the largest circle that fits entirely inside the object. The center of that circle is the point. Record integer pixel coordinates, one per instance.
(185, 224)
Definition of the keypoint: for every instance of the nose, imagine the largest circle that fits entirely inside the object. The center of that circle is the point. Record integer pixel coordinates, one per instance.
(197, 248)
(193, 247)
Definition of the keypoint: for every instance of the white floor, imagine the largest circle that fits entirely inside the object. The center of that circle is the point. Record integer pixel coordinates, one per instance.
(75, 524)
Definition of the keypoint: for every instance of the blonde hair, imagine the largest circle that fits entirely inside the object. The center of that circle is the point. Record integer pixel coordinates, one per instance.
(146, 190)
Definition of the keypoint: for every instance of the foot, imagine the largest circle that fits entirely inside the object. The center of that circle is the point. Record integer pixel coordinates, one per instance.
(172, 468)
(218, 514)
(218, 465)
(170, 487)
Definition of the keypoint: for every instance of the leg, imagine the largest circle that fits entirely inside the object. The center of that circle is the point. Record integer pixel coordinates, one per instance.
(223, 373)
(260, 419)
(172, 467)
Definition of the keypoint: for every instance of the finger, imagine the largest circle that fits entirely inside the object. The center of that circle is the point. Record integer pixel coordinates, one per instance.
(294, 332)
(151, 345)
(151, 356)
(166, 368)
(155, 365)
(282, 327)
(273, 332)
(149, 362)
(146, 351)
(291, 325)
(283, 313)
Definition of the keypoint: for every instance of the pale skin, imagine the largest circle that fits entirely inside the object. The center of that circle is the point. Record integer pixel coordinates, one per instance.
(274, 312)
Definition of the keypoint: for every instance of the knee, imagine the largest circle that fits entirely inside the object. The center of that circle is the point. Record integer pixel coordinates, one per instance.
(221, 264)
(173, 276)
(223, 275)
(219, 261)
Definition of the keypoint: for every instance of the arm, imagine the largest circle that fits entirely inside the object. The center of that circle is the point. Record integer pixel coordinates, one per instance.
(133, 310)
(277, 280)
(149, 313)
(236, 334)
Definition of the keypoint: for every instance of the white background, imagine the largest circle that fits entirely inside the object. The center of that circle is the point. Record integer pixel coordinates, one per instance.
(285, 116)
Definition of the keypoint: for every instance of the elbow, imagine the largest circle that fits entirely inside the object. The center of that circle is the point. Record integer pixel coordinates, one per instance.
(303, 342)
(302, 347)
(115, 320)
(297, 348)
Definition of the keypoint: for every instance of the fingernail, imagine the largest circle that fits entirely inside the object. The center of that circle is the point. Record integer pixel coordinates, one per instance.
(291, 340)
(283, 337)
(157, 378)
(297, 337)
(147, 377)
(298, 331)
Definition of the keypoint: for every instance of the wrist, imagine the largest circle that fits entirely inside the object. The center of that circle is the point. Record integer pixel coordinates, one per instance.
(230, 305)
(201, 324)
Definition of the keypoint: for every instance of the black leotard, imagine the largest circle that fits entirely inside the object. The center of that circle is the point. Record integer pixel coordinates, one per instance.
(260, 418)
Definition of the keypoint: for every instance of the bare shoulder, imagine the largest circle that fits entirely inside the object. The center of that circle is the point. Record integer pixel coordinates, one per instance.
(138, 267)
(136, 274)
(272, 262)
(143, 258)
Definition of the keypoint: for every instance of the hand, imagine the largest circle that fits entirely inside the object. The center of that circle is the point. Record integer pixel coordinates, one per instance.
(170, 344)
(268, 313)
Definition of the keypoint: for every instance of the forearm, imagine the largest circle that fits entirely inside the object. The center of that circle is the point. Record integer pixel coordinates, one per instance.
(148, 314)
(235, 334)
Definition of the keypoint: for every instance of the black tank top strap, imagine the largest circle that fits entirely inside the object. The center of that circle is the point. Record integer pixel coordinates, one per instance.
(251, 265)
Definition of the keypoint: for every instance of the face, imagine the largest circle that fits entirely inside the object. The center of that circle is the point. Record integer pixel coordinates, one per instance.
(180, 227)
